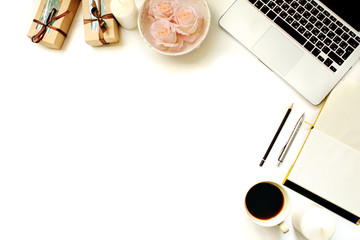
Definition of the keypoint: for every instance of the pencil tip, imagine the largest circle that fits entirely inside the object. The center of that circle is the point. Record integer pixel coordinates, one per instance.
(291, 106)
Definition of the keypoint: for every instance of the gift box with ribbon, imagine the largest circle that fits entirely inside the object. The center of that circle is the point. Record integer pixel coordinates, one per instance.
(52, 22)
(100, 25)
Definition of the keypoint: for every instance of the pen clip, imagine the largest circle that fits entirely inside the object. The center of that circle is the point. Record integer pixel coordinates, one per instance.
(282, 152)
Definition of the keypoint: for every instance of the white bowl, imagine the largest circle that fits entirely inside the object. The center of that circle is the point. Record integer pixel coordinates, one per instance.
(144, 23)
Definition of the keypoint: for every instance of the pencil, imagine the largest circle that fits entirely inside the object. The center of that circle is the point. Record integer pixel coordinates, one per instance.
(276, 135)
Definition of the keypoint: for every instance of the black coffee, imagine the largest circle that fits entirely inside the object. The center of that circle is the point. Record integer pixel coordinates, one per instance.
(264, 201)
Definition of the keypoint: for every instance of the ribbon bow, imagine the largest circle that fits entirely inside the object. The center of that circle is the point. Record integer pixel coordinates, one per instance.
(96, 12)
(40, 35)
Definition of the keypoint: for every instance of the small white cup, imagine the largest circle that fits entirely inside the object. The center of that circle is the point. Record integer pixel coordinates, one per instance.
(313, 222)
(277, 219)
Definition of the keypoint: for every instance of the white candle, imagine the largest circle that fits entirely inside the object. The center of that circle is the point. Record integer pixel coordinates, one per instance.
(314, 223)
(125, 13)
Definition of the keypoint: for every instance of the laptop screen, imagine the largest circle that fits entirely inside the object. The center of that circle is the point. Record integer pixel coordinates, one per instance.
(346, 9)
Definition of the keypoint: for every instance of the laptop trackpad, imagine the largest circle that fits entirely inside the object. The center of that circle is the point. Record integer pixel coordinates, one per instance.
(277, 51)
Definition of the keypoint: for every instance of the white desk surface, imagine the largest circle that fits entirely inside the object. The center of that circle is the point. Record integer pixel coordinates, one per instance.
(120, 142)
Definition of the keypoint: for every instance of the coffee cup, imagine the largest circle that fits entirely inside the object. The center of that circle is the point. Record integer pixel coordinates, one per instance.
(268, 204)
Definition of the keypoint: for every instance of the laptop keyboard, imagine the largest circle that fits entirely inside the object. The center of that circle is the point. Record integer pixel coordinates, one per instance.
(313, 27)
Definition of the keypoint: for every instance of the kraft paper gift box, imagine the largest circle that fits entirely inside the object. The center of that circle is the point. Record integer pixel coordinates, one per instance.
(52, 22)
(100, 25)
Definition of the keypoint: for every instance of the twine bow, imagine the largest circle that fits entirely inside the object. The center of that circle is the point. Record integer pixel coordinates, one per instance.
(40, 35)
(96, 12)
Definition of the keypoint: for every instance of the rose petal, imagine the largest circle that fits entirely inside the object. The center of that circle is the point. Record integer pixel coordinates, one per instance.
(165, 35)
(162, 9)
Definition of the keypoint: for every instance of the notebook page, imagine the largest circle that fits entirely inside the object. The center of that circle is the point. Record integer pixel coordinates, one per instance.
(340, 117)
(330, 169)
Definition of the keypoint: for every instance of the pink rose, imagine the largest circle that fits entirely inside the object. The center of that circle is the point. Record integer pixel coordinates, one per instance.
(162, 8)
(188, 22)
(165, 36)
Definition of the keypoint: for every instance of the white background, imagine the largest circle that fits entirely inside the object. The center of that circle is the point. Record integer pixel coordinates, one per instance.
(120, 142)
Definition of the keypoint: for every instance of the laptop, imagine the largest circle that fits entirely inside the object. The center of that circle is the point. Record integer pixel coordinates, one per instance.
(311, 44)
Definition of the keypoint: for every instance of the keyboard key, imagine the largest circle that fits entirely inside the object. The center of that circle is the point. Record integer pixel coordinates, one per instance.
(320, 16)
(315, 11)
(308, 6)
(258, 4)
(307, 34)
(271, 5)
(291, 12)
(277, 9)
(303, 21)
(319, 24)
(339, 23)
(339, 31)
(297, 16)
(300, 10)
(315, 31)
(326, 13)
(283, 14)
(322, 37)
(290, 30)
(353, 43)
(309, 26)
(321, 58)
(333, 26)
(295, 5)
(327, 41)
(264, 9)
(333, 18)
(337, 40)
(302, 2)
(252, 1)
(343, 45)
(320, 45)
(333, 46)
(313, 40)
(307, 14)
(271, 15)
(309, 46)
(325, 50)
(346, 29)
(312, 19)
(316, 52)
(348, 52)
(336, 58)
(289, 19)
(340, 52)
(328, 62)
(331, 34)
(285, 7)
(320, 8)
(295, 24)
(325, 29)
(314, 3)
(326, 21)
(301, 29)
(333, 69)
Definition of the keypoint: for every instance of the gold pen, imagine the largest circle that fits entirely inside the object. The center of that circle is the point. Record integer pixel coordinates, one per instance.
(291, 138)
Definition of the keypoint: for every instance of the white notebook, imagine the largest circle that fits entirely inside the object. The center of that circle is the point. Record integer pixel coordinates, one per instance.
(328, 165)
